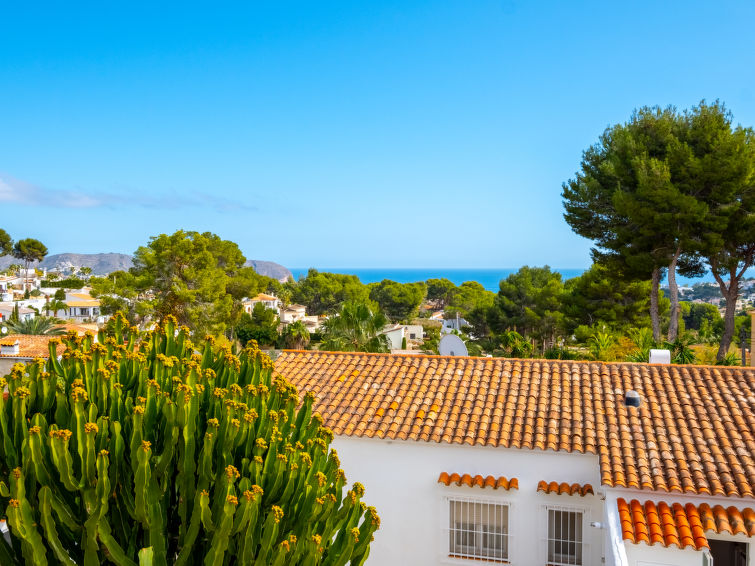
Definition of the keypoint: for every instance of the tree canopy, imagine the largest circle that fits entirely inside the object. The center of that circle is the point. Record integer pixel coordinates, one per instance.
(6, 243)
(399, 301)
(529, 302)
(666, 190)
(188, 275)
(323, 293)
(29, 250)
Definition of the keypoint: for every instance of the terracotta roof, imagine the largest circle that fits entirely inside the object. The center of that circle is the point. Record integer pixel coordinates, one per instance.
(564, 488)
(681, 526)
(30, 346)
(263, 297)
(479, 481)
(84, 303)
(692, 433)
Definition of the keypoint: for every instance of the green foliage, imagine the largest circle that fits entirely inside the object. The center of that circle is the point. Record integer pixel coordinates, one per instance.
(471, 295)
(558, 353)
(599, 343)
(730, 359)
(29, 250)
(189, 274)
(399, 301)
(138, 450)
(431, 340)
(440, 292)
(681, 352)
(261, 325)
(514, 345)
(356, 328)
(295, 336)
(529, 301)
(38, 325)
(6, 243)
(70, 283)
(323, 293)
(598, 297)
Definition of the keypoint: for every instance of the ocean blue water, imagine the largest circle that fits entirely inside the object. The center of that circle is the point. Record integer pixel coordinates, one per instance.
(488, 277)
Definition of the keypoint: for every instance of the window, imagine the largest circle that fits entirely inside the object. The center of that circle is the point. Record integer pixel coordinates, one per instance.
(478, 529)
(564, 537)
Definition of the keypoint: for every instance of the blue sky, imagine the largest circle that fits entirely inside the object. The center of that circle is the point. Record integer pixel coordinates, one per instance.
(358, 134)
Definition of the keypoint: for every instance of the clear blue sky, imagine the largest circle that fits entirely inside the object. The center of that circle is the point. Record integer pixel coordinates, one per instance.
(390, 133)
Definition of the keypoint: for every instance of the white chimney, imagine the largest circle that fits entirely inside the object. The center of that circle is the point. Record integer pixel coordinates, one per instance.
(8, 348)
(660, 356)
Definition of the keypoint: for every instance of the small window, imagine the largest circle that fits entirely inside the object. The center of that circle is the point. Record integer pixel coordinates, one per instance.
(412, 336)
(478, 530)
(564, 537)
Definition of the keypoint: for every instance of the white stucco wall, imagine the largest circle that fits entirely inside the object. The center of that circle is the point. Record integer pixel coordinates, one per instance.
(401, 477)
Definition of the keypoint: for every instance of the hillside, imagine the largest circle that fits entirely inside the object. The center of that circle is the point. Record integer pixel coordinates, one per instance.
(270, 269)
(102, 264)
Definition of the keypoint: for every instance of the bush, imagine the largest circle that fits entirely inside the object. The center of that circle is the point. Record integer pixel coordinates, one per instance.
(70, 283)
(141, 450)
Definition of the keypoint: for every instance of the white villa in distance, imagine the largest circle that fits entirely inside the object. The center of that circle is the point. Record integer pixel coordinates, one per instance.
(483, 461)
(269, 301)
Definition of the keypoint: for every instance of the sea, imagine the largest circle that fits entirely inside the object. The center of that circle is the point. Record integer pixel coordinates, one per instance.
(487, 277)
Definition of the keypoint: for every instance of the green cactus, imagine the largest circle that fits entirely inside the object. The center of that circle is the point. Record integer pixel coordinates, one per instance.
(145, 450)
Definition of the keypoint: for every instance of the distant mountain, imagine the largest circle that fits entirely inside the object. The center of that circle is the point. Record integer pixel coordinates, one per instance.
(270, 269)
(101, 264)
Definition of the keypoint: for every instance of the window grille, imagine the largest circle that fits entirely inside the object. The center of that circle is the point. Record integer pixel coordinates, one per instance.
(478, 530)
(565, 541)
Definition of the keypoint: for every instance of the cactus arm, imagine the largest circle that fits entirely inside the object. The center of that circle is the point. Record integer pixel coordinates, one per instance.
(48, 525)
(145, 556)
(220, 537)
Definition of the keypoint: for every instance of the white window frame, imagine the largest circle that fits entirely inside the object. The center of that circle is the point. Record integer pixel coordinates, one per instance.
(585, 547)
(448, 557)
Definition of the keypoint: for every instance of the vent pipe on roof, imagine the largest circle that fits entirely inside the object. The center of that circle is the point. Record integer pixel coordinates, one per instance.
(632, 399)
(660, 356)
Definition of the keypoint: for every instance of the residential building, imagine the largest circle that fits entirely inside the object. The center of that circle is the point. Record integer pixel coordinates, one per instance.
(82, 307)
(296, 313)
(269, 301)
(542, 462)
(397, 333)
(453, 325)
(7, 308)
(23, 348)
(292, 313)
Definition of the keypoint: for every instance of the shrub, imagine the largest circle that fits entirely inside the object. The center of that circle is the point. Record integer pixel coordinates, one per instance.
(70, 283)
(141, 450)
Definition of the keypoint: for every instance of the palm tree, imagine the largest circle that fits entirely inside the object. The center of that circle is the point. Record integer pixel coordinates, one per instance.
(296, 335)
(38, 325)
(356, 328)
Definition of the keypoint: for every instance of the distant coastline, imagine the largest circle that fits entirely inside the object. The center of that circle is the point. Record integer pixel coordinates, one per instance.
(487, 277)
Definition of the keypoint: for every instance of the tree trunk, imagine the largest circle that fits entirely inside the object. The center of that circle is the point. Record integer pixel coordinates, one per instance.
(730, 292)
(673, 327)
(654, 314)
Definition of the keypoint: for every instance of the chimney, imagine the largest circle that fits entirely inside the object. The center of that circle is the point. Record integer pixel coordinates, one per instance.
(9, 348)
(660, 356)
(752, 335)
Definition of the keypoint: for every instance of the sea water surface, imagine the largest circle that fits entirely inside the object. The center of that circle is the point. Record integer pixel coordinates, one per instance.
(487, 277)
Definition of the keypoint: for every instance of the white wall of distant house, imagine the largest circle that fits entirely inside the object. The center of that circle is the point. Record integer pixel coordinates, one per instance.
(401, 481)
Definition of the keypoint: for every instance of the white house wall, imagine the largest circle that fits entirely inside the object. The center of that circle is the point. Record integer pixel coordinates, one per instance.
(401, 481)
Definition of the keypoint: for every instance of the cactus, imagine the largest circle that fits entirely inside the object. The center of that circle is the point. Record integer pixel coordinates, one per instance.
(146, 450)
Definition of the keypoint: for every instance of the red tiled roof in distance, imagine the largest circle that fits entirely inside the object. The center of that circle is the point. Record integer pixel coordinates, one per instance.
(479, 481)
(691, 434)
(565, 489)
(30, 346)
(681, 526)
